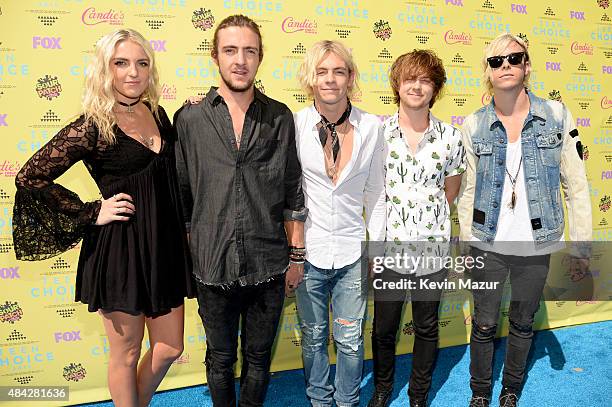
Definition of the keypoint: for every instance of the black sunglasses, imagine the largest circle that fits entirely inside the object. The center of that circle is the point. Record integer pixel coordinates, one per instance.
(516, 58)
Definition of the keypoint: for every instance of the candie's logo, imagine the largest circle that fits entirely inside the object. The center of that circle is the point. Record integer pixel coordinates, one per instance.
(382, 30)
(604, 203)
(581, 48)
(203, 19)
(606, 103)
(93, 17)
(291, 26)
(168, 92)
(9, 168)
(48, 87)
(451, 37)
(10, 312)
(74, 372)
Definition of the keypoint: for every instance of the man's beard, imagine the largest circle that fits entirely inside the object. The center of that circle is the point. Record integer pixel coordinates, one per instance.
(234, 88)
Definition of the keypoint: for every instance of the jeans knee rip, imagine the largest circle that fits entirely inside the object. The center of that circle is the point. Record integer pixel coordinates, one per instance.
(314, 337)
(348, 333)
(486, 330)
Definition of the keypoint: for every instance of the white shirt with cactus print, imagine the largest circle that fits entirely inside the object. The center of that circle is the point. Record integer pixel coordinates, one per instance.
(417, 209)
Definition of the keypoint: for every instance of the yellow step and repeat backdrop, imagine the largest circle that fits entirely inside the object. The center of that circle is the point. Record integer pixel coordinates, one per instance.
(45, 45)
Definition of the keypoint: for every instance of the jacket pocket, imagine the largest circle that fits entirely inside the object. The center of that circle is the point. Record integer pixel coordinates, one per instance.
(484, 152)
(549, 147)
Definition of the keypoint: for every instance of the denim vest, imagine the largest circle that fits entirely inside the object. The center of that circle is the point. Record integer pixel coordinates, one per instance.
(541, 146)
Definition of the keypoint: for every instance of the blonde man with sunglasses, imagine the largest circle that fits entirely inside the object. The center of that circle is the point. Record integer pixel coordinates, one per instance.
(521, 151)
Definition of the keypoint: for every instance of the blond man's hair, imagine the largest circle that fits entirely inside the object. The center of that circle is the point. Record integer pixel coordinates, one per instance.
(307, 74)
(496, 47)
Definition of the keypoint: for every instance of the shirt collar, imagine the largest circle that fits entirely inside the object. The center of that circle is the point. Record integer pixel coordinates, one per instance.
(536, 109)
(214, 97)
(394, 125)
(314, 117)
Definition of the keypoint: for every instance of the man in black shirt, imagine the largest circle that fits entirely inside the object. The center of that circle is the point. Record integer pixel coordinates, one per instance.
(240, 179)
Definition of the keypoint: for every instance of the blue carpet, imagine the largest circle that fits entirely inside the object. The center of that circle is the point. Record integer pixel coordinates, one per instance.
(567, 367)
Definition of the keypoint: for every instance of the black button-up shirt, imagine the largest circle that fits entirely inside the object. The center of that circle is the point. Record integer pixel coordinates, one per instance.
(236, 200)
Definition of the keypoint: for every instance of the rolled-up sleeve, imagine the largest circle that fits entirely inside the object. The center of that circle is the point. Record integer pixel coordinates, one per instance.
(295, 208)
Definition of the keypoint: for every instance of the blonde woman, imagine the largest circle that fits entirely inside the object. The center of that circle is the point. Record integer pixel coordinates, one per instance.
(134, 265)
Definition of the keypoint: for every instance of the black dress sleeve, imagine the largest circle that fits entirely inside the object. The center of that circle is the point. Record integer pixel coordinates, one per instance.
(49, 219)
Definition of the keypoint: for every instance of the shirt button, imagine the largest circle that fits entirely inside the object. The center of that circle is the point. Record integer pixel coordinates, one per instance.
(495, 204)
(490, 228)
(497, 184)
(501, 140)
(499, 162)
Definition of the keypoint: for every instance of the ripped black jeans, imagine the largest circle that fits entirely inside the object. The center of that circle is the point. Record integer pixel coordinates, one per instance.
(254, 311)
(527, 279)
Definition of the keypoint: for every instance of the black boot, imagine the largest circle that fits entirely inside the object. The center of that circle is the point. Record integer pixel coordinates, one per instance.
(380, 398)
(418, 402)
(479, 401)
(508, 397)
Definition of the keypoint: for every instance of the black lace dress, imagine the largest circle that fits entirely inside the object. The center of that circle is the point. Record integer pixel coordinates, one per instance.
(138, 266)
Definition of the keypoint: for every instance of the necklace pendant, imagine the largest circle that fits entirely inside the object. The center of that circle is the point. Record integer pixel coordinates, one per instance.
(512, 200)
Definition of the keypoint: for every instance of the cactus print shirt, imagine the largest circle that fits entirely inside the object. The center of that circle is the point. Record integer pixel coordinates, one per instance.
(417, 209)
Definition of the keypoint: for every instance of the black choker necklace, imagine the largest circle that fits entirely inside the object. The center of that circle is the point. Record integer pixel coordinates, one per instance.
(129, 105)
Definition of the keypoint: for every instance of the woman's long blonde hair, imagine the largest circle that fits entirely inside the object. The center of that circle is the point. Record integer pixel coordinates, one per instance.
(99, 98)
